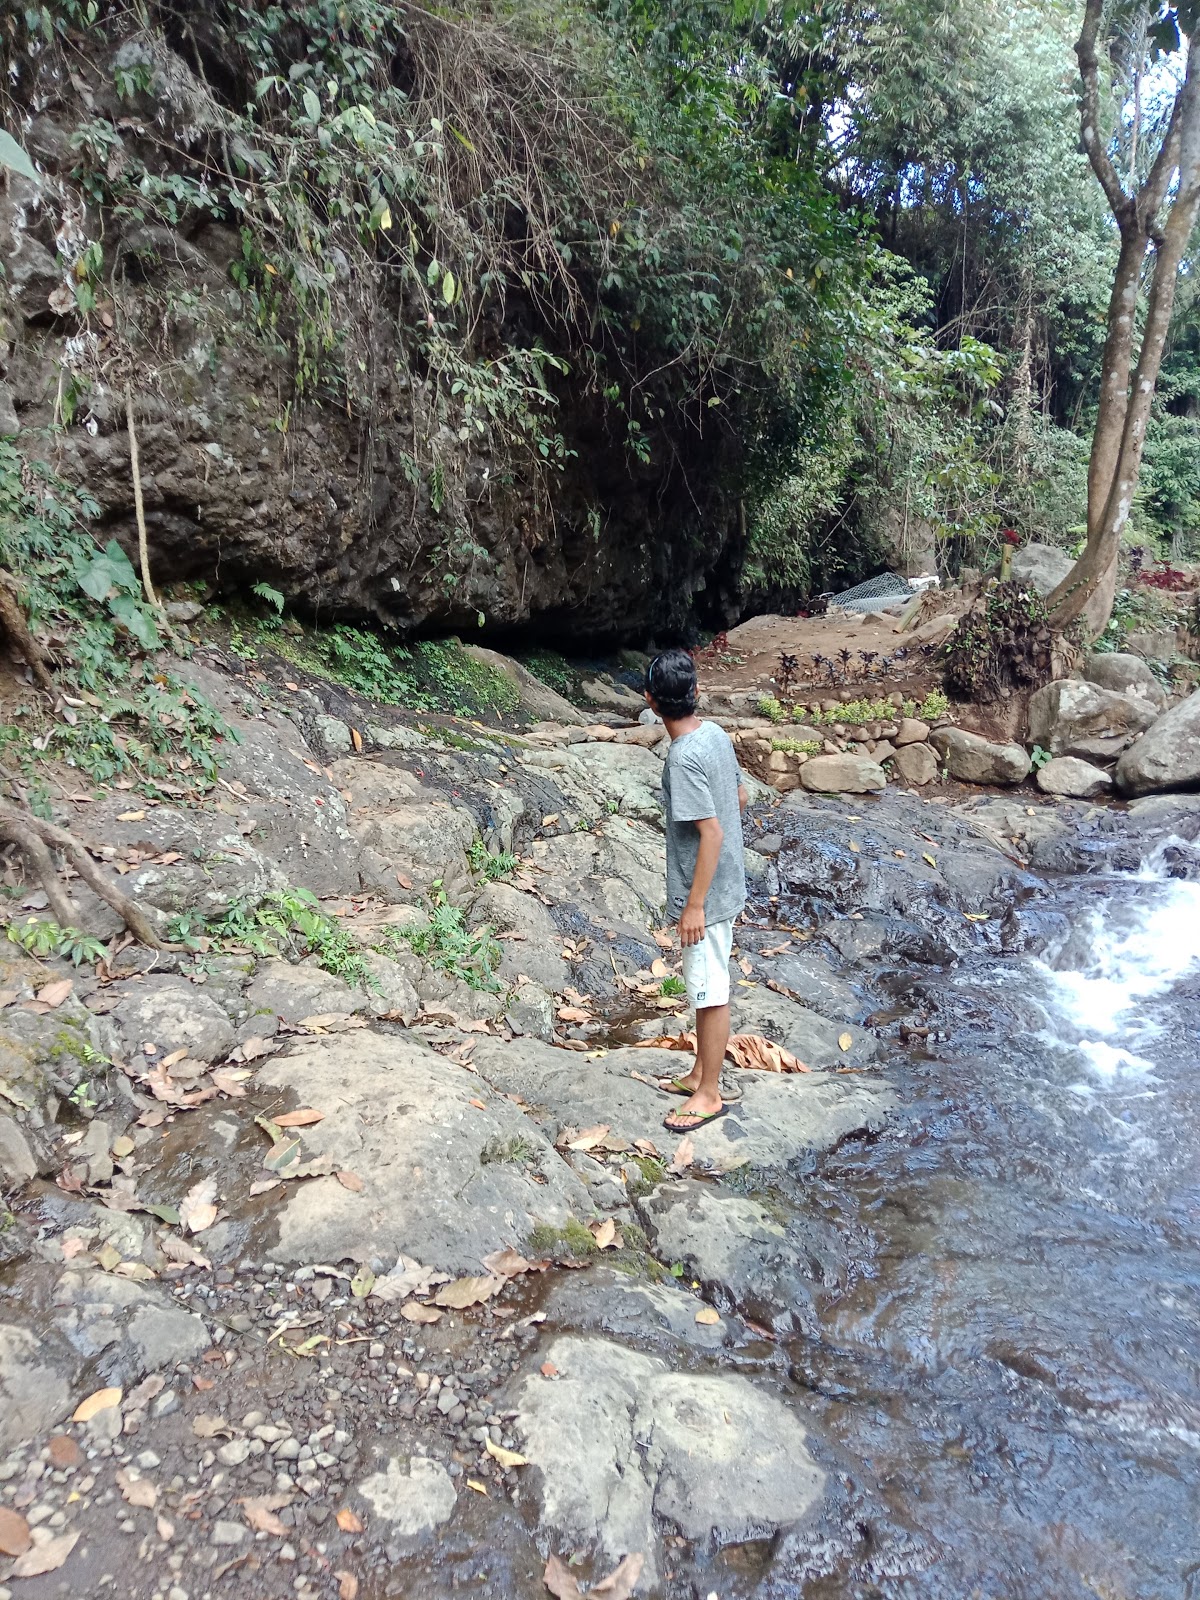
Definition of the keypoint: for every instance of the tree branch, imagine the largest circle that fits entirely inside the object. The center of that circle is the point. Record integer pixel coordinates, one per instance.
(1089, 108)
(18, 825)
(13, 828)
(12, 620)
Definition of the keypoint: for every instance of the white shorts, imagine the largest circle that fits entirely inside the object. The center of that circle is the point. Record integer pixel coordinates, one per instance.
(706, 966)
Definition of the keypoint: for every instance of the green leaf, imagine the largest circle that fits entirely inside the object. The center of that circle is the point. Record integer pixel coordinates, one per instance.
(312, 105)
(166, 1213)
(106, 572)
(14, 157)
(448, 287)
(362, 1283)
(136, 620)
(283, 1157)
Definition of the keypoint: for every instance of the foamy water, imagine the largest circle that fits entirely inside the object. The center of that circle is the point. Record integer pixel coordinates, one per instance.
(1136, 946)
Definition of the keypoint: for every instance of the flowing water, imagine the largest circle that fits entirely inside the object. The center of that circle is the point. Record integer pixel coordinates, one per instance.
(1015, 1376)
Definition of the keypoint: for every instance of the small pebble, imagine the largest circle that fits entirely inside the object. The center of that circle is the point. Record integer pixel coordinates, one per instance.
(228, 1533)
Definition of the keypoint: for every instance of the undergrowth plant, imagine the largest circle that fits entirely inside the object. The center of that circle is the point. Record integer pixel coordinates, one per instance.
(287, 922)
(42, 939)
(487, 866)
(124, 715)
(470, 955)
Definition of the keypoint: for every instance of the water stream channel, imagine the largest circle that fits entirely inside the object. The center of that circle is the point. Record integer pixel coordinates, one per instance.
(1015, 1375)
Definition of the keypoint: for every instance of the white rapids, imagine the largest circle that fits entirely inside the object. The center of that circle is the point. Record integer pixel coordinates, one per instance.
(1135, 946)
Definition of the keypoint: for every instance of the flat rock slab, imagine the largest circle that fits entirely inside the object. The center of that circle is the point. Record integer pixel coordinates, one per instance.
(813, 1038)
(174, 1015)
(657, 1316)
(744, 1254)
(442, 1180)
(626, 1446)
(414, 1495)
(779, 1119)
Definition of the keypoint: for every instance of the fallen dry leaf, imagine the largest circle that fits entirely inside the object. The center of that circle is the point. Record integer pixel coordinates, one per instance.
(589, 1138)
(15, 1538)
(549, 1370)
(53, 994)
(479, 1488)
(479, 1105)
(508, 1264)
(659, 968)
(46, 1557)
(138, 1491)
(131, 816)
(183, 1252)
(622, 1580)
(506, 1458)
(560, 1582)
(230, 1082)
(604, 1233)
(165, 1529)
(303, 1118)
(347, 1582)
(357, 740)
(64, 1452)
(664, 940)
(684, 1152)
(573, 1014)
(197, 1209)
(929, 859)
(72, 1247)
(263, 1184)
(349, 1521)
(549, 821)
(845, 1041)
(351, 1181)
(414, 1311)
(207, 1427)
(708, 1316)
(404, 880)
(95, 1403)
(645, 1147)
(259, 1511)
(465, 1292)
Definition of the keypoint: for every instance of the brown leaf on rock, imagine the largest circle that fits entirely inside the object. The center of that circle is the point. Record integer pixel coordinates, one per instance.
(560, 1581)
(509, 1264)
(589, 1138)
(95, 1403)
(53, 994)
(230, 1082)
(63, 1452)
(414, 1311)
(197, 1209)
(845, 1041)
(15, 1537)
(349, 1521)
(748, 1050)
(138, 1491)
(622, 1580)
(46, 1557)
(506, 1458)
(183, 1252)
(403, 879)
(208, 1427)
(708, 1317)
(684, 1154)
(604, 1233)
(464, 1292)
(304, 1118)
(351, 1181)
(259, 1511)
(548, 1369)
(347, 1586)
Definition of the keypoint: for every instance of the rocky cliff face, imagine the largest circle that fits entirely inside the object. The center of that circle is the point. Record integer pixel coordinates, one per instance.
(385, 497)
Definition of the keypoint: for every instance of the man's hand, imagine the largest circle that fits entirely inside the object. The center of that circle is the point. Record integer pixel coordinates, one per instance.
(691, 925)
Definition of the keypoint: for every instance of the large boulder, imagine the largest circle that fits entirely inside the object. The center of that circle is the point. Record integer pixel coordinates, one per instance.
(916, 764)
(623, 1442)
(846, 774)
(973, 759)
(1075, 718)
(1166, 757)
(442, 1179)
(541, 702)
(1079, 780)
(1042, 566)
(1125, 674)
(173, 1014)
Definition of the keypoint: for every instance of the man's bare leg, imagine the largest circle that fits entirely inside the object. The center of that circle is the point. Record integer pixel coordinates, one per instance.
(712, 1036)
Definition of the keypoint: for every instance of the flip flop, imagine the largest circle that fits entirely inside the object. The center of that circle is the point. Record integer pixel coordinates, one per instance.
(730, 1091)
(694, 1120)
(675, 1086)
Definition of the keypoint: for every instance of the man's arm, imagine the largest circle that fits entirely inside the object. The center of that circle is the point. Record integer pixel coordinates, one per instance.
(743, 797)
(691, 922)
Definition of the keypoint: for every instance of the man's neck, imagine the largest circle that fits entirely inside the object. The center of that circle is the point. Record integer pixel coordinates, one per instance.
(677, 728)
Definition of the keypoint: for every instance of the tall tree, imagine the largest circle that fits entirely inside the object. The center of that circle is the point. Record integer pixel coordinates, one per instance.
(1155, 215)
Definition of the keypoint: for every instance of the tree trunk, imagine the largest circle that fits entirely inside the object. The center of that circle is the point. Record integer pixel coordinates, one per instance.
(1088, 590)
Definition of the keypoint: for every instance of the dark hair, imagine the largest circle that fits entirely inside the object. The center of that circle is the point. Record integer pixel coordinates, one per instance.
(671, 683)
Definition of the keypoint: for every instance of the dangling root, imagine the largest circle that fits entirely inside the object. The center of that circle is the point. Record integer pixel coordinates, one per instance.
(33, 834)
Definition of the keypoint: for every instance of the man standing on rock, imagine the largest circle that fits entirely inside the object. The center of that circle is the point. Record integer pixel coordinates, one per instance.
(703, 797)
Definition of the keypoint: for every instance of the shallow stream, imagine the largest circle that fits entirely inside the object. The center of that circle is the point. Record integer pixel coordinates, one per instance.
(1015, 1376)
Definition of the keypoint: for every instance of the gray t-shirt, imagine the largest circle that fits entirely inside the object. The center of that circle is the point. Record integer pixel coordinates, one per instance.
(700, 779)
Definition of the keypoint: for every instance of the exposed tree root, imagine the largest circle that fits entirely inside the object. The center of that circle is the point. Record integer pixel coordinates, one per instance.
(15, 627)
(138, 504)
(33, 834)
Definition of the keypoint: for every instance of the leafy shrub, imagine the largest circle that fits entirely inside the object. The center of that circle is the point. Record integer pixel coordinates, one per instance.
(446, 942)
(43, 939)
(287, 922)
(770, 708)
(487, 866)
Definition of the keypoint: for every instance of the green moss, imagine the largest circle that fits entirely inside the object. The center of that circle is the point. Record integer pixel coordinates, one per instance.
(653, 1170)
(553, 670)
(797, 747)
(572, 1240)
(517, 1151)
